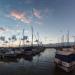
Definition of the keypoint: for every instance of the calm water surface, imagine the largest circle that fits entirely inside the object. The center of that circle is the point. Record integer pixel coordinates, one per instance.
(42, 64)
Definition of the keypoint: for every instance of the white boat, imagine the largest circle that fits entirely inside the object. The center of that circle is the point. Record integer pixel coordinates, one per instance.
(65, 59)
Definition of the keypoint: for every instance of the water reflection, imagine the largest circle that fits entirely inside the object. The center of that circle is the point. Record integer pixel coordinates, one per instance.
(41, 64)
(59, 71)
(15, 60)
(8, 60)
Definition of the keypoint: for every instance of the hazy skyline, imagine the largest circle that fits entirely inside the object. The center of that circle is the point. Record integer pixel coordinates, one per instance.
(51, 18)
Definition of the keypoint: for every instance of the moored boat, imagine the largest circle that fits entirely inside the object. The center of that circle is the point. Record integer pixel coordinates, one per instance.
(65, 59)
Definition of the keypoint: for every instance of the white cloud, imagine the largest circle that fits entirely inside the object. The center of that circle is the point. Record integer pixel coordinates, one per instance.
(21, 16)
(37, 13)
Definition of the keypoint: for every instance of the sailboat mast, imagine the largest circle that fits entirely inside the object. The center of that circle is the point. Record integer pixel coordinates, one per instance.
(32, 35)
(38, 38)
(74, 39)
(62, 39)
(23, 37)
(67, 37)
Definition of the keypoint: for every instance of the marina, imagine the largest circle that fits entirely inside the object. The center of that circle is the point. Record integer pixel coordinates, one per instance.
(42, 63)
(37, 37)
(64, 55)
(14, 52)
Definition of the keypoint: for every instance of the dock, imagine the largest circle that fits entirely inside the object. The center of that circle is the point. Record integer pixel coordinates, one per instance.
(20, 51)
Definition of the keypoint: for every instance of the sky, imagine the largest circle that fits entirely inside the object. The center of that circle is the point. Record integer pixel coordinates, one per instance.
(50, 18)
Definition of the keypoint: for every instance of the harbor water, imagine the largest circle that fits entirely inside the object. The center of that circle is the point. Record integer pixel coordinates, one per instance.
(41, 64)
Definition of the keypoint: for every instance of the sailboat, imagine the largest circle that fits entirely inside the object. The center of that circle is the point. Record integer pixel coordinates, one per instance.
(33, 50)
(65, 57)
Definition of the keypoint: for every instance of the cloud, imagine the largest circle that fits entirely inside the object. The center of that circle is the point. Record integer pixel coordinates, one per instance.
(37, 13)
(49, 12)
(6, 29)
(25, 1)
(2, 29)
(39, 22)
(21, 16)
(46, 10)
(28, 1)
